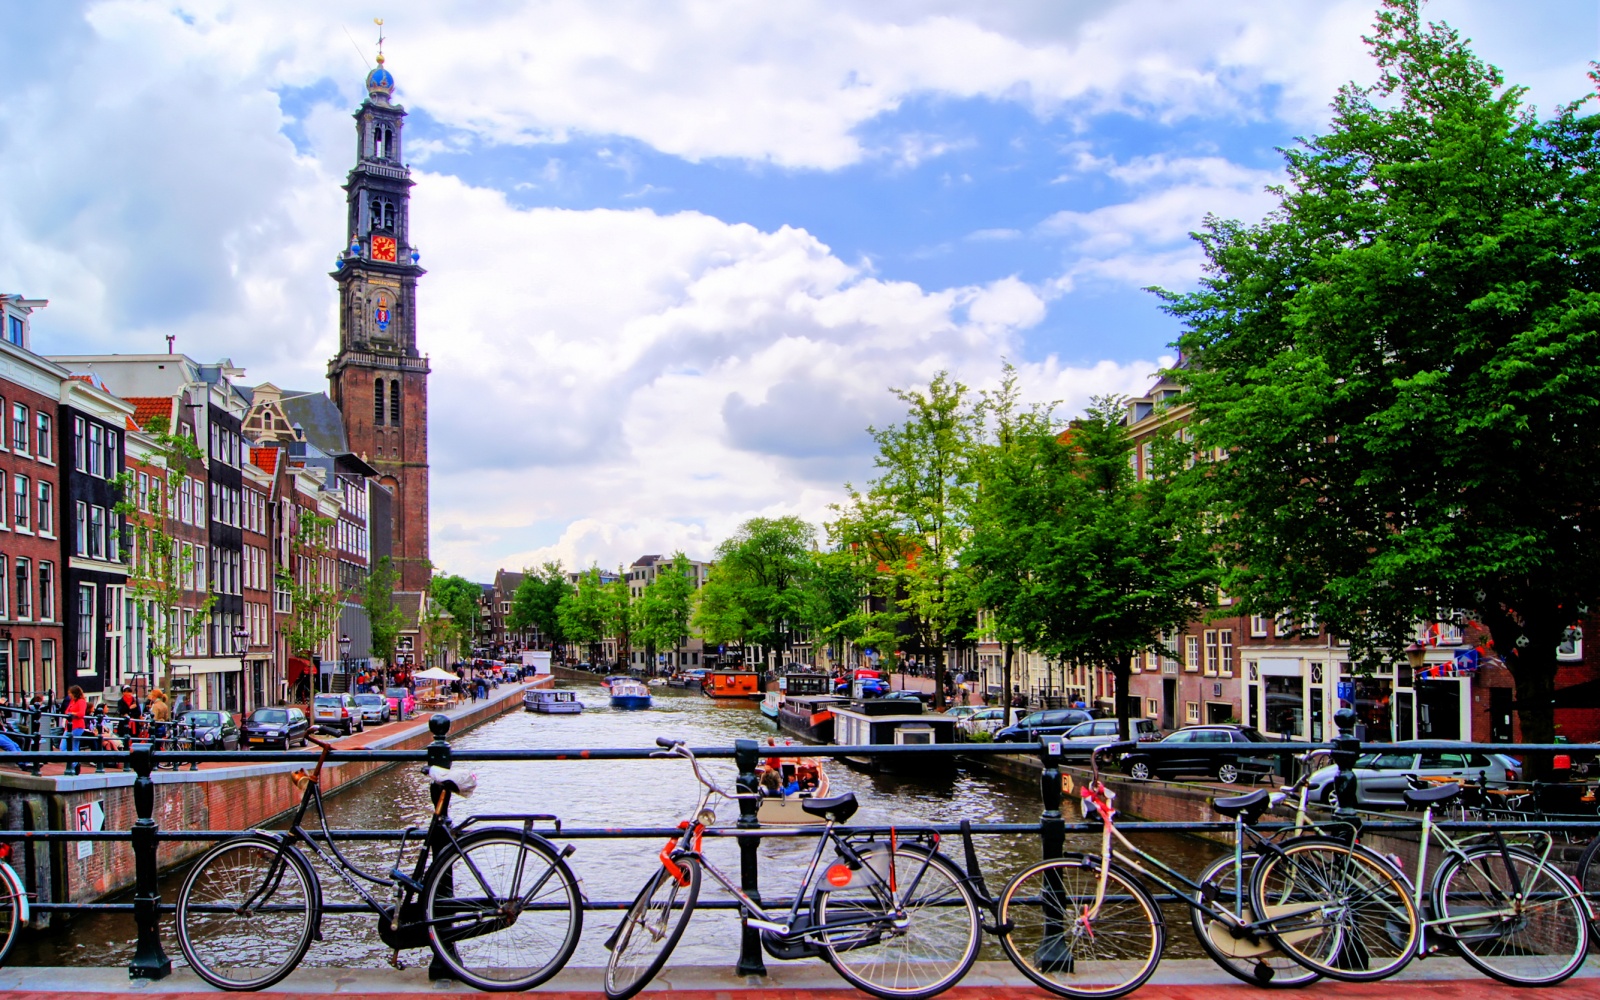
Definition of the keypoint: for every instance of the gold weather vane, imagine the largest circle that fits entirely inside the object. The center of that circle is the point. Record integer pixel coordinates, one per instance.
(379, 22)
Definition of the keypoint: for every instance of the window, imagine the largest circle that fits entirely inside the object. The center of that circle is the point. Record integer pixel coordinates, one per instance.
(97, 451)
(47, 592)
(1211, 652)
(394, 402)
(185, 504)
(5, 588)
(86, 637)
(1259, 625)
(377, 401)
(43, 443)
(24, 590)
(19, 428)
(1191, 712)
(21, 501)
(1191, 660)
(1152, 708)
(80, 450)
(14, 332)
(1225, 646)
(46, 522)
(1571, 646)
(47, 657)
(97, 532)
(82, 535)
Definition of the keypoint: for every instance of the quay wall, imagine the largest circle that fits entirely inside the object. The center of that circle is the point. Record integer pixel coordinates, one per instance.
(235, 797)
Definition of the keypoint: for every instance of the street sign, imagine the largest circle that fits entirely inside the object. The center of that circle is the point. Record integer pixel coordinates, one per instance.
(89, 817)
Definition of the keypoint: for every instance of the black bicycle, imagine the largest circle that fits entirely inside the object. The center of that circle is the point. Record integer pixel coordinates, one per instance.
(498, 905)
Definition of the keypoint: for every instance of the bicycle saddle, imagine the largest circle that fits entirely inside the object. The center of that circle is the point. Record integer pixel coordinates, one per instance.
(458, 784)
(1250, 805)
(837, 808)
(1434, 795)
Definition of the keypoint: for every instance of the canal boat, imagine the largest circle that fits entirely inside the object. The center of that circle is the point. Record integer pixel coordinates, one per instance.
(897, 723)
(549, 701)
(608, 681)
(770, 703)
(744, 684)
(807, 779)
(687, 679)
(628, 693)
(809, 716)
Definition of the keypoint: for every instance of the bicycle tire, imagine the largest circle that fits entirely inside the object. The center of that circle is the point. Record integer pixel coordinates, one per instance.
(1257, 964)
(1372, 915)
(1587, 875)
(647, 937)
(930, 954)
(12, 902)
(247, 950)
(487, 869)
(1552, 924)
(1113, 957)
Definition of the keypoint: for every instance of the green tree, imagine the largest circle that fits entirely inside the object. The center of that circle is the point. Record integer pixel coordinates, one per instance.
(537, 601)
(911, 520)
(755, 591)
(662, 613)
(459, 596)
(441, 633)
(159, 563)
(1400, 364)
(384, 617)
(313, 586)
(585, 613)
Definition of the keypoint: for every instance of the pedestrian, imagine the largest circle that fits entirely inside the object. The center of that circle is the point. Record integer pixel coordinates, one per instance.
(76, 710)
(160, 715)
(127, 710)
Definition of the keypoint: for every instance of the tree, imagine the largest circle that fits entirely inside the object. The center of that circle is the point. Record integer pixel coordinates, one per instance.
(1400, 365)
(441, 633)
(1105, 564)
(661, 614)
(536, 601)
(384, 617)
(911, 518)
(312, 586)
(162, 569)
(757, 579)
(459, 596)
(585, 613)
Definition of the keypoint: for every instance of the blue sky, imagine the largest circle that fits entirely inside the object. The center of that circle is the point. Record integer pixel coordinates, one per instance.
(678, 251)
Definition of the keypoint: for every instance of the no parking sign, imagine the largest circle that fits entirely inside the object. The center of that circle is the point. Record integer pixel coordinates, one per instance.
(90, 817)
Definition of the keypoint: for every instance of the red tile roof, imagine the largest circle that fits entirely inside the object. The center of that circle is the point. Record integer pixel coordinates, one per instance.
(145, 407)
(265, 459)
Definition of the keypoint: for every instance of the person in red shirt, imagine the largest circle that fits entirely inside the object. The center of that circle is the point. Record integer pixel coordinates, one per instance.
(76, 713)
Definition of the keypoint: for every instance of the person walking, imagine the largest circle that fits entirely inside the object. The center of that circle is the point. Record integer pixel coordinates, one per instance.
(76, 710)
(160, 715)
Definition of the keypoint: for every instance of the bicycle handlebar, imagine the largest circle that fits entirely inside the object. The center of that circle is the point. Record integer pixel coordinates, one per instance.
(678, 748)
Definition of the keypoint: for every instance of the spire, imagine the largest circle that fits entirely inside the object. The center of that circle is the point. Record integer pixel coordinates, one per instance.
(380, 82)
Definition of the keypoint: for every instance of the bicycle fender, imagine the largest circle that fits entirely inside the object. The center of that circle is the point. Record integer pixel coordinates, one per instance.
(875, 862)
(20, 894)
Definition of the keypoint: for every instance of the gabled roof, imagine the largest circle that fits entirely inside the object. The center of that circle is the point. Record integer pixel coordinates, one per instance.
(321, 421)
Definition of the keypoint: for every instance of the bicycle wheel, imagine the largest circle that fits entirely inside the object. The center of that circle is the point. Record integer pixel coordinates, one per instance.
(920, 954)
(1337, 909)
(246, 913)
(1587, 875)
(1255, 962)
(12, 900)
(504, 911)
(1538, 940)
(651, 929)
(1046, 933)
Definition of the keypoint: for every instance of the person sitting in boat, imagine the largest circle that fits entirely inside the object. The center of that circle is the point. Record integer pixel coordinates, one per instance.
(806, 778)
(772, 784)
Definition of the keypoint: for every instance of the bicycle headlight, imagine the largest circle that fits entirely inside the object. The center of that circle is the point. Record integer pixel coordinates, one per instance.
(706, 817)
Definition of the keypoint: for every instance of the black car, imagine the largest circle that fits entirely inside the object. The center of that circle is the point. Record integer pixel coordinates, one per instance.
(267, 728)
(1050, 722)
(205, 730)
(1206, 759)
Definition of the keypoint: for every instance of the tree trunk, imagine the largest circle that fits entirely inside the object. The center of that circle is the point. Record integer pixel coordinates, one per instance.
(1528, 647)
(1123, 671)
(1005, 686)
(938, 679)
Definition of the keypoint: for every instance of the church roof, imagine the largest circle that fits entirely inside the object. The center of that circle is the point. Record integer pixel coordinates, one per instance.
(319, 418)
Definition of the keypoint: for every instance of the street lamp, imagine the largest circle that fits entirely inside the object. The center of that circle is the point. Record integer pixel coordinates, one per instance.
(344, 659)
(241, 647)
(1416, 654)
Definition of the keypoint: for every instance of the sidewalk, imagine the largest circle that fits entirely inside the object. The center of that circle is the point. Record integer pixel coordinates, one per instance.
(1433, 979)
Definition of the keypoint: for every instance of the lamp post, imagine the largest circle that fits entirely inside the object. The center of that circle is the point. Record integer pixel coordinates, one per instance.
(344, 659)
(241, 647)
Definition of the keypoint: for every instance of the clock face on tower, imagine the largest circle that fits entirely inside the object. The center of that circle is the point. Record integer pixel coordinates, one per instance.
(383, 248)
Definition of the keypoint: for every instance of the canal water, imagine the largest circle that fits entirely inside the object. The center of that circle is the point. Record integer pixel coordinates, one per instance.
(627, 793)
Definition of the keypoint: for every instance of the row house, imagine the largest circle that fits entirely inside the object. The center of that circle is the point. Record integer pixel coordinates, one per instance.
(640, 576)
(502, 639)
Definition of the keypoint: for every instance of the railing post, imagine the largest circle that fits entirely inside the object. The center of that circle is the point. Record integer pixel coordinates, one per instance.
(1346, 748)
(34, 718)
(745, 754)
(439, 756)
(1052, 828)
(150, 960)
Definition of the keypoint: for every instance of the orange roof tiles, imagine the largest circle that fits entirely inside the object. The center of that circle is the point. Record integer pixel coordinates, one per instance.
(146, 407)
(265, 459)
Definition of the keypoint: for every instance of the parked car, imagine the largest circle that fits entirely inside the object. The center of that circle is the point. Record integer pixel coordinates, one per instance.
(1381, 777)
(338, 712)
(959, 712)
(1227, 768)
(209, 730)
(984, 720)
(1050, 722)
(267, 728)
(902, 696)
(1081, 739)
(871, 687)
(402, 703)
(374, 708)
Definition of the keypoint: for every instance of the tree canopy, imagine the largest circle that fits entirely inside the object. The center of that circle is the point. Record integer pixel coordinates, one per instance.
(459, 596)
(1400, 365)
(537, 601)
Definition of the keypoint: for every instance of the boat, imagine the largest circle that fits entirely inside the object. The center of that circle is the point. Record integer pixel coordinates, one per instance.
(744, 684)
(608, 681)
(877, 722)
(551, 702)
(770, 703)
(809, 716)
(804, 775)
(629, 693)
(687, 679)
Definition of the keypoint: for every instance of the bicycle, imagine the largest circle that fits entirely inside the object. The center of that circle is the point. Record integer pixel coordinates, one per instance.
(1084, 925)
(250, 907)
(896, 920)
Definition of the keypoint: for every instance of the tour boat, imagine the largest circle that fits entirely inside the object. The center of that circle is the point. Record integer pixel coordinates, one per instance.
(607, 682)
(744, 684)
(629, 693)
(551, 702)
(877, 722)
(785, 810)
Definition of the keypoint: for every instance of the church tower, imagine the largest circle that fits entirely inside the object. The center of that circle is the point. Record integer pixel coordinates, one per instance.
(379, 380)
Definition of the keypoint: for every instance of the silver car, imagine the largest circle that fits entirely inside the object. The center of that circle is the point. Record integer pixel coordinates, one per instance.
(374, 708)
(1081, 739)
(1381, 777)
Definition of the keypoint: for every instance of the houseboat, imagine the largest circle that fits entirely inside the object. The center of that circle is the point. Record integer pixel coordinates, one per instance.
(551, 702)
(894, 723)
(687, 679)
(628, 693)
(809, 716)
(795, 779)
(770, 702)
(745, 684)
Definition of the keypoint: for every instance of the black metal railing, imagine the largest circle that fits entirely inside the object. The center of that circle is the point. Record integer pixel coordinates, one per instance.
(150, 960)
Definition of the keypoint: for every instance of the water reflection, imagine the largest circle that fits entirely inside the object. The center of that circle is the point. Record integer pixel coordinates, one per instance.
(615, 793)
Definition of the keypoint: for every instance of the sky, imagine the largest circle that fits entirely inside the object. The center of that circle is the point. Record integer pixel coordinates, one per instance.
(678, 252)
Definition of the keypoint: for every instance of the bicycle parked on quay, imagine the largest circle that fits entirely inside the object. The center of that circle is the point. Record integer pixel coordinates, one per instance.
(894, 917)
(498, 905)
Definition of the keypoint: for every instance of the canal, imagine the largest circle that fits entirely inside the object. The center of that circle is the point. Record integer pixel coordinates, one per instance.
(624, 793)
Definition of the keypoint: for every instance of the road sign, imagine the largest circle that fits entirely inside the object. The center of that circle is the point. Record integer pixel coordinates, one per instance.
(89, 817)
